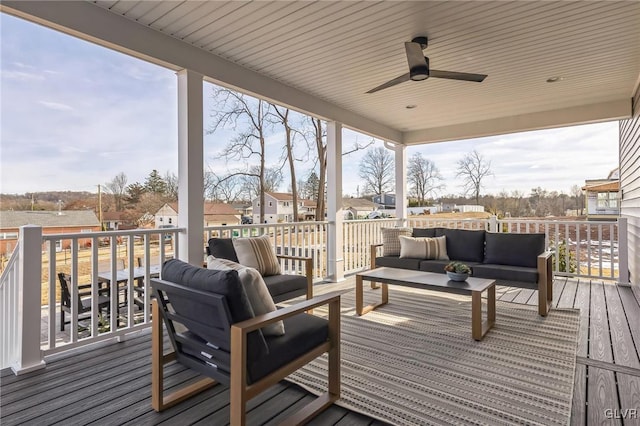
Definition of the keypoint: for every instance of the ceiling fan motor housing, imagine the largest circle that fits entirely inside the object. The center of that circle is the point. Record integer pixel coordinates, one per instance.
(420, 72)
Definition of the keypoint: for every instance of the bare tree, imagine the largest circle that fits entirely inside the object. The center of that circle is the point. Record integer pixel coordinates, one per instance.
(118, 186)
(473, 168)
(171, 184)
(227, 188)
(251, 185)
(578, 197)
(423, 177)
(283, 118)
(377, 169)
(236, 110)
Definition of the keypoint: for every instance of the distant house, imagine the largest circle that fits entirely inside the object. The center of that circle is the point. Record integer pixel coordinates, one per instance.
(112, 221)
(220, 214)
(279, 208)
(602, 198)
(357, 208)
(167, 216)
(214, 214)
(52, 222)
(385, 201)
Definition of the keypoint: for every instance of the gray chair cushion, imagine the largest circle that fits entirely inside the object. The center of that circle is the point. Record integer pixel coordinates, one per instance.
(304, 332)
(223, 248)
(225, 283)
(513, 249)
(506, 273)
(465, 245)
(279, 285)
(438, 265)
(396, 262)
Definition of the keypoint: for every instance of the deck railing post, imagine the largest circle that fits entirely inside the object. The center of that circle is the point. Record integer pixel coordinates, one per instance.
(493, 223)
(29, 295)
(623, 252)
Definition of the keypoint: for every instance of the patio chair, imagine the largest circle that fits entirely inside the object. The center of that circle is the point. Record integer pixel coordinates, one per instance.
(83, 303)
(281, 286)
(216, 336)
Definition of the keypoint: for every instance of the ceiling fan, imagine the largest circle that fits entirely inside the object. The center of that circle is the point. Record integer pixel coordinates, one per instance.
(419, 67)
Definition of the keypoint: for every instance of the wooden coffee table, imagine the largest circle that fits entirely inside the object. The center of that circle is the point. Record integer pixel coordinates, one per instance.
(437, 282)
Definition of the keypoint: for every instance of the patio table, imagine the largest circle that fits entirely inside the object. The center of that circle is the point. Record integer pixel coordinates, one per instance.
(437, 282)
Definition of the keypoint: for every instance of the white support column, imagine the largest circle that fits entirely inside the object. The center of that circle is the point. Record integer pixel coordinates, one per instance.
(335, 255)
(400, 152)
(190, 167)
(29, 294)
(623, 252)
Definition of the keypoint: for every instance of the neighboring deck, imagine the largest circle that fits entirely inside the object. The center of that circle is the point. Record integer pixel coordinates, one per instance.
(111, 384)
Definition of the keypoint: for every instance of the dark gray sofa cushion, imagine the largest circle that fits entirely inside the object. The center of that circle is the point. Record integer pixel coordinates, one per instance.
(428, 232)
(465, 245)
(513, 249)
(304, 332)
(438, 265)
(506, 273)
(225, 283)
(424, 232)
(222, 248)
(281, 285)
(396, 262)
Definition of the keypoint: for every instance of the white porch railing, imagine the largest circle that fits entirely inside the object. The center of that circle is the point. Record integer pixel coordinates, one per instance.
(304, 239)
(583, 249)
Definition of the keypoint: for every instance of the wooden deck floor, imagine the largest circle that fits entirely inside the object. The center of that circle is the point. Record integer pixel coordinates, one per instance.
(111, 384)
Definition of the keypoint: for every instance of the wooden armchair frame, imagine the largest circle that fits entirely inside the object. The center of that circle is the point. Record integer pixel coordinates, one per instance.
(240, 391)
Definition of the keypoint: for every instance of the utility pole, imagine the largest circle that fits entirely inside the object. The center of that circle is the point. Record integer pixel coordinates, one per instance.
(100, 207)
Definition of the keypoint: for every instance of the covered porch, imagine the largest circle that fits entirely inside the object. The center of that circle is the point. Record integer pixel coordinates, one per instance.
(321, 69)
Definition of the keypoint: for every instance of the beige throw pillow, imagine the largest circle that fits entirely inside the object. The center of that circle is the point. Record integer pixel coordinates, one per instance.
(257, 253)
(257, 292)
(391, 240)
(423, 248)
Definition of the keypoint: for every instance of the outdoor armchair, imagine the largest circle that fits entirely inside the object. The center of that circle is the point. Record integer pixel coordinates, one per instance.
(281, 286)
(218, 337)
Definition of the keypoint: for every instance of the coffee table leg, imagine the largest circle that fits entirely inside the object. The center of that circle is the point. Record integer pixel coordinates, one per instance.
(478, 327)
(360, 309)
(359, 296)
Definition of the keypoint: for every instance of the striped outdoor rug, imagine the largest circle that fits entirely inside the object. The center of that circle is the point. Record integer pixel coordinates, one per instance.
(413, 362)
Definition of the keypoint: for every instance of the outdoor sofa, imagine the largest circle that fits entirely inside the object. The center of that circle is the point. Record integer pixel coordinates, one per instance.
(512, 259)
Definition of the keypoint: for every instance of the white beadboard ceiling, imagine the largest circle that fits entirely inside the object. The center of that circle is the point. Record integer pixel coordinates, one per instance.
(336, 51)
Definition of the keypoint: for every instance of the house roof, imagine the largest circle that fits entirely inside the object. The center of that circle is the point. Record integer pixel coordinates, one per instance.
(222, 218)
(359, 45)
(48, 219)
(358, 204)
(112, 215)
(603, 187)
(219, 208)
(281, 196)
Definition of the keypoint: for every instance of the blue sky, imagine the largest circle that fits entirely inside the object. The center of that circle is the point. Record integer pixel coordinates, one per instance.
(73, 115)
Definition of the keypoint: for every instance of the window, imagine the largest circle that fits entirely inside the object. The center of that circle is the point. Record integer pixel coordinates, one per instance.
(170, 220)
(270, 204)
(607, 200)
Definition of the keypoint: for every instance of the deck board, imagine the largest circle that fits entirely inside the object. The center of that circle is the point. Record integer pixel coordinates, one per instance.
(111, 382)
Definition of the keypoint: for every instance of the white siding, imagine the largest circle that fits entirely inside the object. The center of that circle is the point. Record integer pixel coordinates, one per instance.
(630, 185)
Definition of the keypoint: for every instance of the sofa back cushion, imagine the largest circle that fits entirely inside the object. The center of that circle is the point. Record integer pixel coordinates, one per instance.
(391, 240)
(514, 249)
(465, 245)
(428, 232)
(222, 248)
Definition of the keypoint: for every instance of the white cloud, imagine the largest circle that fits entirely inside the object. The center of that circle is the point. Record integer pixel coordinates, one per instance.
(57, 106)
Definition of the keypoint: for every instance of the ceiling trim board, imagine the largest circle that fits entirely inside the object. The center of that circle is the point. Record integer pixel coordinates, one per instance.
(606, 111)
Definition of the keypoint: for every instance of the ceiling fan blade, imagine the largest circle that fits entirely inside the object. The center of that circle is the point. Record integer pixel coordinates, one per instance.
(397, 80)
(452, 75)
